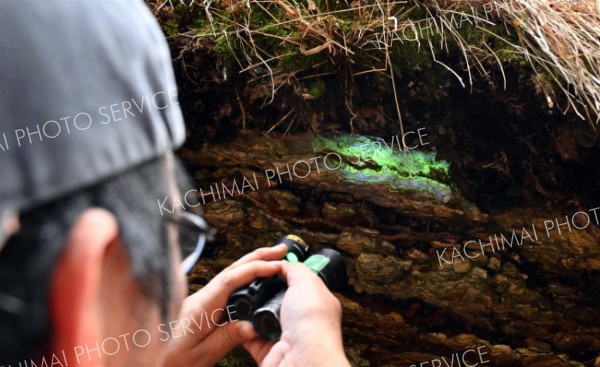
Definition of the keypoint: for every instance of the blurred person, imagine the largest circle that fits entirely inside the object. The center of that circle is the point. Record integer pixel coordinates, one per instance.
(86, 256)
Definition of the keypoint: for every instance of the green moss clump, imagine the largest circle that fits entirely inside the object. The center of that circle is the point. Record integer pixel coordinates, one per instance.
(171, 27)
(291, 62)
(225, 49)
(317, 89)
(377, 161)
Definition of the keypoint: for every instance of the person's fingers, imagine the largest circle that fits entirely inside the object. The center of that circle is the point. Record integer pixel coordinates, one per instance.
(229, 280)
(276, 354)
(294, 273)
(263, 253)
(215, 294)
(221, 341)
(258, 348)
(305, 288)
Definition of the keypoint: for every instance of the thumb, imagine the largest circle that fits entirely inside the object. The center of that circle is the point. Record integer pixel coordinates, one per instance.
(276, 355)
(295, 273)
(223, 340)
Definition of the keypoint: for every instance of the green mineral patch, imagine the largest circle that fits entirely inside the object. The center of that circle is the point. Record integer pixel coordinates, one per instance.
(373, 160)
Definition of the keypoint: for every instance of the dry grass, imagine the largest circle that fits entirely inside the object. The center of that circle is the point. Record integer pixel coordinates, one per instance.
(563, 39)
(560, 39)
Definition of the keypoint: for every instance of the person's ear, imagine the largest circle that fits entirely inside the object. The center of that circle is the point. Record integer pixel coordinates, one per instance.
(78, 282)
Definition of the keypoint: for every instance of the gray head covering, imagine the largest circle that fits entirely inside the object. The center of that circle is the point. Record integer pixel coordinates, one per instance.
(86, 92)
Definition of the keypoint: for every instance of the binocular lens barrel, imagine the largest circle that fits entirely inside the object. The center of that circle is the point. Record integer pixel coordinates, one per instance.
(297, 248)
(330, 267)
(328, 264)
(266, 319)
(247, 299)
(243, 307)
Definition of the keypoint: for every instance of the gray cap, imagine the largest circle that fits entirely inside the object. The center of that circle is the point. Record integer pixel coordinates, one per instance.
(86, 92)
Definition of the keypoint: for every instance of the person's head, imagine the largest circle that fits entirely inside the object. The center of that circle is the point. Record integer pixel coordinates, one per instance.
(89, 121)
(93, 266)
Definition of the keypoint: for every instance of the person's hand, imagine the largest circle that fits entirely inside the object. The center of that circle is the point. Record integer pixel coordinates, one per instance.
(207, 344)
(311, 325)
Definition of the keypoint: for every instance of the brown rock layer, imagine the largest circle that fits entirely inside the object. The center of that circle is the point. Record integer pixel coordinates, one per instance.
(533, 303)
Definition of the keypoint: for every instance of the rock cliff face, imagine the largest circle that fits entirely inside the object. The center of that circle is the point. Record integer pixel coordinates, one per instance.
(467, 214)
(430, 275)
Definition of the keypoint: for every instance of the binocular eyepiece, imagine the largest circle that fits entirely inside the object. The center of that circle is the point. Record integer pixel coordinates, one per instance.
(261, 300)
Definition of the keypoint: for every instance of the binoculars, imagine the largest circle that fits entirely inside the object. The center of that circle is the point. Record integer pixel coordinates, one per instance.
(261, 300)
